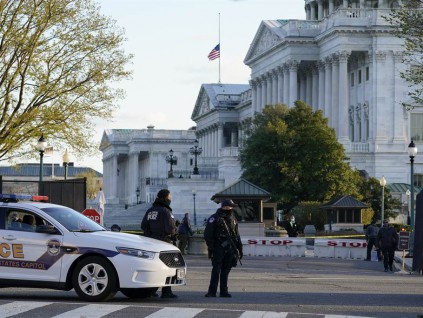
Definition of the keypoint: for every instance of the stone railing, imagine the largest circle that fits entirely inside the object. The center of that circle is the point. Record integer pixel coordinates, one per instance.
(359, 147)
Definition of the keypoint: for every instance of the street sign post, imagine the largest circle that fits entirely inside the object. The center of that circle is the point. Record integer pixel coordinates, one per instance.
(92, 214)
(404, 244)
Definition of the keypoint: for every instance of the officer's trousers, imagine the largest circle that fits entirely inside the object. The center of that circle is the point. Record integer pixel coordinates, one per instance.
(222, 264)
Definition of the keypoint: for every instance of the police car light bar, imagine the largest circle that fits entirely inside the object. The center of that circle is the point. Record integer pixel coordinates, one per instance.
(24, 197)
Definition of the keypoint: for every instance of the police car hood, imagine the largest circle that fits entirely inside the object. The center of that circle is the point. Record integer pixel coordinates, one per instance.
(108, 239)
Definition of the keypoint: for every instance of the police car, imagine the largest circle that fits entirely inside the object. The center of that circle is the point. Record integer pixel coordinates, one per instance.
(51, 246)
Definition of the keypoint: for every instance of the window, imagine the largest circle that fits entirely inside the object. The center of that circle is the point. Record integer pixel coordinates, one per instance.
(359, 76)
(352, 79)
(416, 127)
(367, 73)
(418, 180)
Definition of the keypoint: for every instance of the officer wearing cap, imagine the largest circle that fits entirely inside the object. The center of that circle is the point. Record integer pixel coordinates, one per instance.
(224, 247)
(159, 223)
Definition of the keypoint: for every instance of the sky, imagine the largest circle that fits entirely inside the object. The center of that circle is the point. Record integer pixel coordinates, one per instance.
(170, 40)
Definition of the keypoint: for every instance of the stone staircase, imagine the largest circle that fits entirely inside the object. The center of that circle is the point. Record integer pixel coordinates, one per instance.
(127, 218)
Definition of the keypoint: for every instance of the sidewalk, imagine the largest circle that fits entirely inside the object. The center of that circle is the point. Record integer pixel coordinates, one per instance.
(408, 263)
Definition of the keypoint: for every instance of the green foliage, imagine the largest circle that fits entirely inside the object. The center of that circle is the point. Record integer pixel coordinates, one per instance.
(309, 213)
(371, 191)
(58, 61)
(407, 24)
(293, 154)
(367, 215)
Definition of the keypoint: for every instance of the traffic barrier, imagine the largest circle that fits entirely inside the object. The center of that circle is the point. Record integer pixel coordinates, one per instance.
(345, 249)
(273, 246)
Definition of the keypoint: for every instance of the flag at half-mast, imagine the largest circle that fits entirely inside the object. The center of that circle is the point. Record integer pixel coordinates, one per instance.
(215, 53)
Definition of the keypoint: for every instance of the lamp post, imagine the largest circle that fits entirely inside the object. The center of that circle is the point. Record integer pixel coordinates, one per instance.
(408, 206)
(383, 184)
(41, 146)
(172, 160)
(137, 191)
(412, 152)
(196, 151)
(65, 159)
(194, 193)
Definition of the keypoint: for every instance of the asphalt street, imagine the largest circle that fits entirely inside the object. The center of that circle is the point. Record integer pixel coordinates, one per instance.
(263, 287)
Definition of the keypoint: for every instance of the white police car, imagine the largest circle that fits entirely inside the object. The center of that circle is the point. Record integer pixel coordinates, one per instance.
(51, 246)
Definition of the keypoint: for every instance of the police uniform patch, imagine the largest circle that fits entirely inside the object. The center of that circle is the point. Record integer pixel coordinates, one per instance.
(211, 220)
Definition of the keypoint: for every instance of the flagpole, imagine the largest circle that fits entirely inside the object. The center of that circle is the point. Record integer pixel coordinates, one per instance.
(220, 48)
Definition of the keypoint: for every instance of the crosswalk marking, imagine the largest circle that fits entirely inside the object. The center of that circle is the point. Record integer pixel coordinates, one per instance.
(263, 314)
(18, 307)
(91, 311)
(175, 312)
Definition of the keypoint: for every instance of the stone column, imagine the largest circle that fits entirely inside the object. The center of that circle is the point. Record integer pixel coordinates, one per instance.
(220, 135)
(253, 96)
(315, 87)
(319, 9)
(362, 4)
(269, 89)
(274, 87)
(328, 88)
(309, 86)
(234, 137)
(307, 10)
(280, 85)
(344, 4)
(312, 11)
(133, 180)
(303, 85)
(114, 178)
(331, 6)
(321, 103)
(398, 67)
(380, 74)
(293, 68)
(264, 85)
(286, 85)
(335, 95)
(258, 95)
(343, 98)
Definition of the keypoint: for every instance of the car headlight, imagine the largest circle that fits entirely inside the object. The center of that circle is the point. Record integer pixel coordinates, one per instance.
(135, 252)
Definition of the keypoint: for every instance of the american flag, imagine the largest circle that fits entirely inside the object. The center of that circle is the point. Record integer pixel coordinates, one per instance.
(215, 53)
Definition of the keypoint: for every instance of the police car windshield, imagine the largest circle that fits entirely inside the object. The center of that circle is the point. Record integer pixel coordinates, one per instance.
(72, 220)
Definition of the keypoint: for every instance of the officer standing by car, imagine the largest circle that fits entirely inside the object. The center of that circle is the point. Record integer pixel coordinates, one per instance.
(159, 223)
(224, 247)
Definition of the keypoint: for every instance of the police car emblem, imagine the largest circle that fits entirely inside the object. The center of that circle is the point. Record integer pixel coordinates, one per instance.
(53, 247)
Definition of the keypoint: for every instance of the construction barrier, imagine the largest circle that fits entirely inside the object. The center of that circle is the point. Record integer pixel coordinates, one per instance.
(338, 248)
(273, 246)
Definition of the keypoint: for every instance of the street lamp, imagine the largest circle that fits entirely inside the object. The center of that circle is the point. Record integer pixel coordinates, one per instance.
(65, 159)
(138, 193)
(172, 160)
(383, 184)
(408, 206)
(196, 151)
(412, 152)
(41, 146)
(195, 213)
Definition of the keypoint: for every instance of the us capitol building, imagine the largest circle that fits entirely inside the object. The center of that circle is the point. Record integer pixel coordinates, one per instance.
(341, 59)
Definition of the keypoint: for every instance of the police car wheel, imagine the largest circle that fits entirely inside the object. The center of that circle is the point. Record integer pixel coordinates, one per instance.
(139, 292)
(94, 279)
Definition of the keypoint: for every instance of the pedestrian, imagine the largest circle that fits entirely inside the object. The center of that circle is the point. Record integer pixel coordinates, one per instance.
(184, 232)
(371, 238)
(159, 223)
(387, 239)
(291, 227)
(100, 199)
(224, 247)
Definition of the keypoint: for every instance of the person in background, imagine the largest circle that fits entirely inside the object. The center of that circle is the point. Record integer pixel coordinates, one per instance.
(100, 199)
(184, 232)
(224, 247)
(371, 238)
(387, 239)
(291, 227)
(159, 223)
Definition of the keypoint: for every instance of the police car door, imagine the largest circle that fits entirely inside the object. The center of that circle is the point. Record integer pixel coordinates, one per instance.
(24, 253)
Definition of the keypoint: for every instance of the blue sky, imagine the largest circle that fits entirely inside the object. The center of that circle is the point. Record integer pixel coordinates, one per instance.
(170, 40)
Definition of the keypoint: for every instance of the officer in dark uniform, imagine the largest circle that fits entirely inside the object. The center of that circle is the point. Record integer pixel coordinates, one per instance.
(159, 223)
(224, 247)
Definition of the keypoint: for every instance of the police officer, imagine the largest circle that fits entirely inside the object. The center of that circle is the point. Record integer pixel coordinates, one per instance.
(387, 241)
(224, 247)
(159, 223)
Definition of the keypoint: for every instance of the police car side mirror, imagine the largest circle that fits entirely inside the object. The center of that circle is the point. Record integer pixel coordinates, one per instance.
(47, 229)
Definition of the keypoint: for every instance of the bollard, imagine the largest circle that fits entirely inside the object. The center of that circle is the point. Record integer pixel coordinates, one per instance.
(309, 231)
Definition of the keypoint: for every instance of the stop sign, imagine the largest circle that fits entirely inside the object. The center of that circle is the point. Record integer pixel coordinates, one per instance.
(92, 214)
